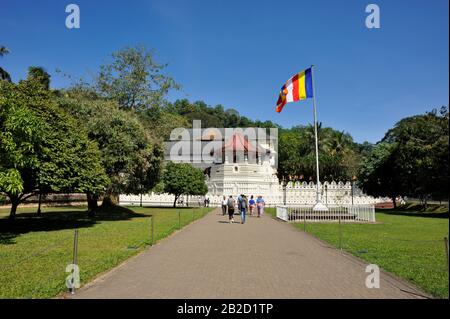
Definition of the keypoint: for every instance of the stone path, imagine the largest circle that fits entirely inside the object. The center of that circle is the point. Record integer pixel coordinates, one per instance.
(263, 258)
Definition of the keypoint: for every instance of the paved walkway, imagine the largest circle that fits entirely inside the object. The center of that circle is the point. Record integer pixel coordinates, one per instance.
(263, 258)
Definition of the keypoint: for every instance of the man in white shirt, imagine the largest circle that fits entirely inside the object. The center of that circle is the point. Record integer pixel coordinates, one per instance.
(224, 205)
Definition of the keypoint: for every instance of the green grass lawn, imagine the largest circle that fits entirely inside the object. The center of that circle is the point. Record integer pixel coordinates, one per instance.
(35, 251)
(406, 243)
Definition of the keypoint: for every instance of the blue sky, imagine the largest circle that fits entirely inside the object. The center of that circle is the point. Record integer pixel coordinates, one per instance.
(239, 53)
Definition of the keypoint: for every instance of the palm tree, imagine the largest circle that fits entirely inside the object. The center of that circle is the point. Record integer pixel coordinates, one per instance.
(323, 137)
(340, 143)
(3, 50)
(3, 74)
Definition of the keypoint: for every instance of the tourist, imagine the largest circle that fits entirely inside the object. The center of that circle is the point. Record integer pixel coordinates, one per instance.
(260, 205)
(240, 197)
(251, 205)
(224, 205)
(231, 203)
(244, 206)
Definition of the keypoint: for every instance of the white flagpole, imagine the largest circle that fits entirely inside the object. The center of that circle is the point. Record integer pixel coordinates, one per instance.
(319, 205)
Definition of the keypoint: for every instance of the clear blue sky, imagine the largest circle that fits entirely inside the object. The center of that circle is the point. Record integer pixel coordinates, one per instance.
(239, 53)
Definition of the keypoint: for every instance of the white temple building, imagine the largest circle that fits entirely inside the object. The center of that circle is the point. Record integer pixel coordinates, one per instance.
(243, 161)
(230, 174)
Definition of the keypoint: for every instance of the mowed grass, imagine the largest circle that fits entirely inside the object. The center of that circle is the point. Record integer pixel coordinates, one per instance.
(408, 244)
(34, 251)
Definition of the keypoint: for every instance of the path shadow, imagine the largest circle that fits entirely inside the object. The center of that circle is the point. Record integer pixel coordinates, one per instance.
(59, 220)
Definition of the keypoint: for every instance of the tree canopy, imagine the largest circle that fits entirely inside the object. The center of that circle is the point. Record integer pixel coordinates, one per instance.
(183, 179)
(412, 159)
(134, 79)
(42, 148)
(339, 155)
(130, 156)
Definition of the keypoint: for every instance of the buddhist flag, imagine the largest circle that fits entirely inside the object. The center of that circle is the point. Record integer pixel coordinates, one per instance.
(297, 88)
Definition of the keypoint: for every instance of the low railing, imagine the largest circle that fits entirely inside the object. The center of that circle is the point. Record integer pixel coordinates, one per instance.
(347, 213)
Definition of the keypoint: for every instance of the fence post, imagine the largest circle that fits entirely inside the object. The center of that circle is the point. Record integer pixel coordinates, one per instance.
(340, 231)
(152, 230)
(75, 255)
(446, 249)
(304, 220)
(193, 213)
(179, 219)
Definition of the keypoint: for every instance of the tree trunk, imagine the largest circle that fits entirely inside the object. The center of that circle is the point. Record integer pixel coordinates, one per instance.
(175, 201)
(394, 202)
(92, 204)
(110, 200)
(14, 203)
(39, 205)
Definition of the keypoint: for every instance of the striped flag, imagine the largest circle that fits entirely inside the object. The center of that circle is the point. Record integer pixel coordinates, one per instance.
(297, 88)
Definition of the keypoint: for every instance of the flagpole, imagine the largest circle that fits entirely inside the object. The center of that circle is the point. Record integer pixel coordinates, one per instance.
(319, 205)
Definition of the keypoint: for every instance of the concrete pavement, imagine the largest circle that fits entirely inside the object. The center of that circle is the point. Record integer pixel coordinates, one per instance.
(264, 258)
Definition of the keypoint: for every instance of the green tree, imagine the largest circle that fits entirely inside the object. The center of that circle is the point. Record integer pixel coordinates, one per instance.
(130, 156)
(339, 155)
(379, 174)
(39, 75)
(42, 149)
(290, 162)
(134, 79)
(160, 123)
(422, 154)
(183, 179)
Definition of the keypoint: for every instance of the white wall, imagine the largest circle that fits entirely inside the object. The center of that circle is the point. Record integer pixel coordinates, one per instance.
(296, 194)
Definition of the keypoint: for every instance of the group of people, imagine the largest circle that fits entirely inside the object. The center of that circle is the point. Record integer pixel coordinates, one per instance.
(244, 205)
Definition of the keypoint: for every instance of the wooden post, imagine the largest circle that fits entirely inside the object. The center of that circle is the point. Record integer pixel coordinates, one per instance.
(179, 219)
(75, 255)
(340, 231)
(304, 221)
(446, 250)
(40, 202)
(152, 230)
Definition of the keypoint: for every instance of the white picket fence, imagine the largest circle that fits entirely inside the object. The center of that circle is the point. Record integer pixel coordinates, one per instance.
(347, 213)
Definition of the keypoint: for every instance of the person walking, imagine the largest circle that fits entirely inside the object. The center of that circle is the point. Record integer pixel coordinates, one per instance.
(239, 202)
(260, 205)
(243, 208)
(224, 205)
(251, 205)
(231, 203)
